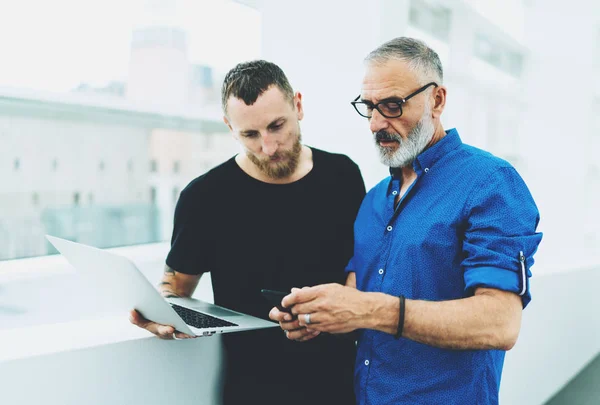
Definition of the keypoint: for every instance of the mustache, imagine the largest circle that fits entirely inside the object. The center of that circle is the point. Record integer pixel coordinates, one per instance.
(385, 136)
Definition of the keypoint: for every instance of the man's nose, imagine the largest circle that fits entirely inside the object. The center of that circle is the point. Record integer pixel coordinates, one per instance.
(377, 121)
(269, 145)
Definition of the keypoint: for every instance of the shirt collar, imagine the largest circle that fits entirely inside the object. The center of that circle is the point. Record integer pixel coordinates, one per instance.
(431, 155)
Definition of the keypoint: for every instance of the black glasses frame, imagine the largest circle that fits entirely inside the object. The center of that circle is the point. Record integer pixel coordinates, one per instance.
(400, 102)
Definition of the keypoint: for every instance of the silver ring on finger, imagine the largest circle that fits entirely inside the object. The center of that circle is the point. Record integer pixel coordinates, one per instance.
(307, 319)
(175, 337)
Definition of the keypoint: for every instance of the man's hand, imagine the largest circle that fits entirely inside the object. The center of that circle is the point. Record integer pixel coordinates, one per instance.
(162, 331)
(333, 308)
(292, 329)
(172, 285)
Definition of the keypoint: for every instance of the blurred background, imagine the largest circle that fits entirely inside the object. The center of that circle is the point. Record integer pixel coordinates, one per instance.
(109, 108)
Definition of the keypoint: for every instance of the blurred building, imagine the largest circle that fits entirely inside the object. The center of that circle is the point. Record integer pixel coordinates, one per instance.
(518, 86)
(105, 165)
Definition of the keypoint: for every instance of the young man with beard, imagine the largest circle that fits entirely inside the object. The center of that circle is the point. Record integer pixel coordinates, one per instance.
(278, 215)
(442, 251)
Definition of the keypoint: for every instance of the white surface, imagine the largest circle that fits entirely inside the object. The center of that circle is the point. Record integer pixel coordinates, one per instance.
(54, 352)
(30, 341)
(81, 356)
(560, 334)
(135, 372)
(47, 290)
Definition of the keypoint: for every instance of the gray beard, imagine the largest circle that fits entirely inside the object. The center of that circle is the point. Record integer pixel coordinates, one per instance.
(408, 149)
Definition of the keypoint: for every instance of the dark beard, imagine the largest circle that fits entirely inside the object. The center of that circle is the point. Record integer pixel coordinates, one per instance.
(385, 136)
(283, 169)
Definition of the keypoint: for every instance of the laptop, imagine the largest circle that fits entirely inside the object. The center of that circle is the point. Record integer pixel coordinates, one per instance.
(126, 288)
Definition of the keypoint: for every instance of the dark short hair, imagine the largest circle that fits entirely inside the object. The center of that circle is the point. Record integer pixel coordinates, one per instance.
(248, 80)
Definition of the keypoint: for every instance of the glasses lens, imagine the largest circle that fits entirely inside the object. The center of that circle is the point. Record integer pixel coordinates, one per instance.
(363, 109)
(391, 109)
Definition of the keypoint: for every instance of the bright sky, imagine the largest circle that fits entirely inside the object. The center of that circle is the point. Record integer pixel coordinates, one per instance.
(58, 44)
(55, 45)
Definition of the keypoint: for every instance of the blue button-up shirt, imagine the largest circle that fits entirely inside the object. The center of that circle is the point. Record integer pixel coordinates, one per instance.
(461, 225)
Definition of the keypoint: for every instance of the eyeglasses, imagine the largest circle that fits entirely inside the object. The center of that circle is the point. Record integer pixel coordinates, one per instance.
(389, 108)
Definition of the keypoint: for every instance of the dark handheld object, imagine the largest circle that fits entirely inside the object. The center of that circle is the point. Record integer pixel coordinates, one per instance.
(275, 297)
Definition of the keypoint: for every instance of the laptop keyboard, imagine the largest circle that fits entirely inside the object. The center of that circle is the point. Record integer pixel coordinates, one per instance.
(198, 319)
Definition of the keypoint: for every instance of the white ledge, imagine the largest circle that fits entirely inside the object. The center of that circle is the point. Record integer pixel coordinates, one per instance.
(30, 341)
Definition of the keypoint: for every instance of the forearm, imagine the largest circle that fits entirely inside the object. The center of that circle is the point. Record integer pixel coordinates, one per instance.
(484, 321)
(175, 284)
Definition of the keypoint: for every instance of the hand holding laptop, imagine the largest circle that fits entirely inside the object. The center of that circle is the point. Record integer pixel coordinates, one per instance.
(118, 279)
(162, 331)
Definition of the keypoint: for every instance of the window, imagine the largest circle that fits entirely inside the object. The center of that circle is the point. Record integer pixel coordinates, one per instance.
(498, 55)
(153, 195)
(514, 63)
(88, 109)
(433, 19)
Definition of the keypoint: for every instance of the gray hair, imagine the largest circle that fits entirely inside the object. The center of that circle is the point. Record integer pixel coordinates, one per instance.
(421, 59)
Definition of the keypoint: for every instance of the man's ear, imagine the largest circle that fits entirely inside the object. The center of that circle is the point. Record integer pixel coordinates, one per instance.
(440, 102)
(298, 105)
(226, 121)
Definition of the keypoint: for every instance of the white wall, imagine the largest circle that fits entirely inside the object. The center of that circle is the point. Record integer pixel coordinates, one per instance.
(560, 334)
(320, 45)
(557, 126)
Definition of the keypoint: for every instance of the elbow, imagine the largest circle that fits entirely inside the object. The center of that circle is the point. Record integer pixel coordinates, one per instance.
(508, 343)
(508, 336)
(506, 312)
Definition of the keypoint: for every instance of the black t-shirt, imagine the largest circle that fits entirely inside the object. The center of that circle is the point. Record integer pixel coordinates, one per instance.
(252, 235)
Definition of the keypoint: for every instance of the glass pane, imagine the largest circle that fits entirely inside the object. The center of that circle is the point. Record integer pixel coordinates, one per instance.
(101, 128)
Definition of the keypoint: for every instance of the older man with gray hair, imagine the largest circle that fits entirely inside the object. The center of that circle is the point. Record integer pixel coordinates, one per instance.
(443, 246)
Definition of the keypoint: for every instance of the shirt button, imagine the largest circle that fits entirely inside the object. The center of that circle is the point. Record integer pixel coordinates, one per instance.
(380, 271)
(366, 362)
(394, 192)
(389, 228)
(426, 169)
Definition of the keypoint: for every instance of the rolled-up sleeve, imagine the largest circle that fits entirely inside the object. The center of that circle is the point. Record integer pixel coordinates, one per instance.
(501, 236)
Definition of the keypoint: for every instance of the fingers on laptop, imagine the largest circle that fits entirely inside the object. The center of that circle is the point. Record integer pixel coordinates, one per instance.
(162, 331)
(180, 336)
(137, 319)
(167, 332)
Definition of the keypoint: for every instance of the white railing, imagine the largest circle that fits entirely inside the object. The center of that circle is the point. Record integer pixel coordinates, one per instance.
(47, 357)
